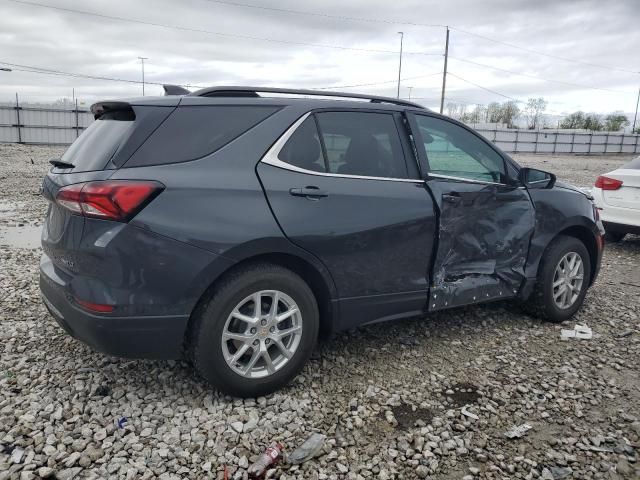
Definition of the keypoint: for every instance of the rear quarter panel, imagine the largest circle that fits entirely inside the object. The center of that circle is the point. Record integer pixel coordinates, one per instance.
(217, 204)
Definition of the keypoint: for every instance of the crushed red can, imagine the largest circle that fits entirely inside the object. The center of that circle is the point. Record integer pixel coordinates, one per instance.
(269, 457)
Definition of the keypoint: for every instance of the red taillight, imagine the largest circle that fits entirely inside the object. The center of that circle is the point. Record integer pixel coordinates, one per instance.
(95, 307)
(607, 183)
(116, 200)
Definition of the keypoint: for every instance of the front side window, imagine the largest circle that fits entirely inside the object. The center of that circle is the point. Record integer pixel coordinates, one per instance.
(454, 151)
(347, 143)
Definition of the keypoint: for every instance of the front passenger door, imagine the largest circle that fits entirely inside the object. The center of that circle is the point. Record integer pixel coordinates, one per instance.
(485, 219)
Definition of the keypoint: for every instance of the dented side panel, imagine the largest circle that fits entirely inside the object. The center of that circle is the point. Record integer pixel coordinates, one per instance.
(484, 237)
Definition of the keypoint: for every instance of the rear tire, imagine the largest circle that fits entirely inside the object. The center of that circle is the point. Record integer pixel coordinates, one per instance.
(613, 236)
(546, 301)
(229, 325)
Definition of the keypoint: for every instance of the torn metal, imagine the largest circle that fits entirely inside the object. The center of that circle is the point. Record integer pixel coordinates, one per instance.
(484, 238)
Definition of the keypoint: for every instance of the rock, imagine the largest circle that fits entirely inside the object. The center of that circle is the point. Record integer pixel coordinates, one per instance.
(422, 471)
(623, 468)
(68, 473)
(71, 460)
(45, 472)
(237, 426)
(17, 455)
(384, 475)
(559, 473)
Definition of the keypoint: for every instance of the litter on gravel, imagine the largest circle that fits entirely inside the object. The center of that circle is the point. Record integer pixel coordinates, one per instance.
(467, 413)
(518, 431)
(309, 449)
(581, 332)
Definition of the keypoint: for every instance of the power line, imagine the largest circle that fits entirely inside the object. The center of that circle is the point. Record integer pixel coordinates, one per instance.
(484, 88)
(48, 71)
(538, 52)
(561, 82)
(377, 83)
(211, 32)
(416, 24)
(324, 15)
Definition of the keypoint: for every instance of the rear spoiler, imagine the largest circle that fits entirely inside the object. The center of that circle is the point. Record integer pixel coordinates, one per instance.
(100, 108)
(175, 90)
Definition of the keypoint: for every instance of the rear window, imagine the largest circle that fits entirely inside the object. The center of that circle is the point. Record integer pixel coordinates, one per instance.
(97, 144)
(633, 164)
(195, 131)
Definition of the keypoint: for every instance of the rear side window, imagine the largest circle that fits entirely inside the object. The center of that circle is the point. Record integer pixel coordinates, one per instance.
(193, 132)
(362, 143)
(303, 148)
(355, 143)
(98, 143)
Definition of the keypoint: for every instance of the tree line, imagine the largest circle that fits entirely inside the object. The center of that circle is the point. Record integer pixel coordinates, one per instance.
(533, 115)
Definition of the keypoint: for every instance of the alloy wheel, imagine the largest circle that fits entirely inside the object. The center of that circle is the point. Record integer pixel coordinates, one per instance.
(262, 333)
(567, 280)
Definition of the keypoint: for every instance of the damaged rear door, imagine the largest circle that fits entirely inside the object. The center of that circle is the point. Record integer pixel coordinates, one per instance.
(486, 219)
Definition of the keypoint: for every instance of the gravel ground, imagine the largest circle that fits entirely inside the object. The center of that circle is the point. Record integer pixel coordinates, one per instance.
(389, 397)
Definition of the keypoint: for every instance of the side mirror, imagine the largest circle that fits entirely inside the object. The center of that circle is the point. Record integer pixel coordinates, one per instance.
(534, 178)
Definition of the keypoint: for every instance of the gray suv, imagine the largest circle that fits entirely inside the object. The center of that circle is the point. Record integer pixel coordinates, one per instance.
(234, 225)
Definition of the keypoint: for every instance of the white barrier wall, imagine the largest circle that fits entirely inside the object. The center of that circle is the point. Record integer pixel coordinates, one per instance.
(549, 141)
(58, 126)
(48, 126)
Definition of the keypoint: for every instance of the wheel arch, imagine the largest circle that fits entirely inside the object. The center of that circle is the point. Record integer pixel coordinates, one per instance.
(321, 286)
(588, 238)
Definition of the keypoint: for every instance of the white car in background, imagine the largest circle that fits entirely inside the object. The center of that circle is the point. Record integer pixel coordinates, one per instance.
(617, 195)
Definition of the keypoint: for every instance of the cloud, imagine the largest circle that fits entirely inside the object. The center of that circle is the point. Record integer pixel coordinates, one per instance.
(588, 31)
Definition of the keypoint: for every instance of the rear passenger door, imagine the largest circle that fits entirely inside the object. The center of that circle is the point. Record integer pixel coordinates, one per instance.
(486, 218)
(344, 186)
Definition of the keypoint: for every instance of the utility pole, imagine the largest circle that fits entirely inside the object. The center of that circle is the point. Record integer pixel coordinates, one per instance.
(142, 59)
(400, 64)
(444, 73)
(635, 117)
(410, 88)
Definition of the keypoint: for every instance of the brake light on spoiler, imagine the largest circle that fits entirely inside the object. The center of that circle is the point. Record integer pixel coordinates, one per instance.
(118, 200)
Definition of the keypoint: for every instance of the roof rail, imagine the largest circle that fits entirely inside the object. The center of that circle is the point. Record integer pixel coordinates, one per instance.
(254, 92)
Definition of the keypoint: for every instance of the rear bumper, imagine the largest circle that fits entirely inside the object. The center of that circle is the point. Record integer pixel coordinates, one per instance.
(613, 215)
(152, 337)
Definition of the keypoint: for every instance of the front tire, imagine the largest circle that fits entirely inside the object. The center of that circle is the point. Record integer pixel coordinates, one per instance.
(256, 332)
(563, 279)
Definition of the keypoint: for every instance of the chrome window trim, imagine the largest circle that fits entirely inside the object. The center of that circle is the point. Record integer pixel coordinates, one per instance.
(539, 181)
(271, 158)
(463, 179)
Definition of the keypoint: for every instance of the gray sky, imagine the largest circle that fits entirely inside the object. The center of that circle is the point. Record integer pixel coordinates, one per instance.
(586, 31)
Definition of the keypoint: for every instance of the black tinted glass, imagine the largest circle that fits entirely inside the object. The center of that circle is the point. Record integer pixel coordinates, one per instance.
(362, 143)
(193, 132)
(97, 144)
(303, 148)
